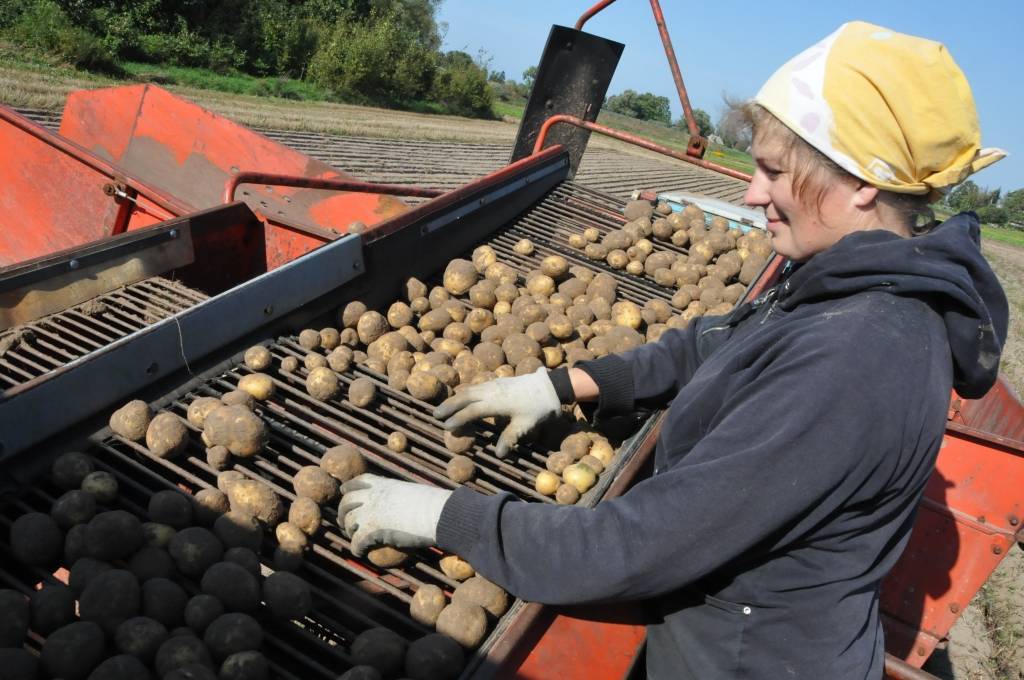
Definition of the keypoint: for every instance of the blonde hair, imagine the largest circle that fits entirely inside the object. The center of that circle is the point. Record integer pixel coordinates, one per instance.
(813, 172)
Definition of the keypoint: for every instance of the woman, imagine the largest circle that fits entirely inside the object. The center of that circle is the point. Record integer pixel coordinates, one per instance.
(801, 427)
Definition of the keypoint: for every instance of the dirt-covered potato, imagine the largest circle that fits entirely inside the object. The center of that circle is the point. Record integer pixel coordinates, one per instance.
(289, 364)
(109, 599)
(194, 550)
(579, 476)
(200, 408)
(178, 652)
(567, 494)
(167, 436)
(322, 383)
(19, 664)
(69, 469)
(460, 469)
(523, 246)
(120, 667)
(218, 457)
(478, 590)
(434, 657)
(576, 445)
(255, 498)
(314, 482)
(540, 284)
(140, 637)
(371, 325)
(72, 652)
(74, 544)
(238, 528)
(149, 563)
(423, 385)
(202, 610)
(459, 276)
(232, 633)
(291, 538)
(83, 571)
(49, 608)
(427, 604)
(455, 567)
(464, 622)
(387, 557)
(558, 461)
(547, 483)
(245, 558)
(286, 561)
(592, 462)
(398, 442)
(14, 618)
(259, 385)
(73, 508)
(163, 600)
(257, 358)
(228, 479)
(458, 442)
(170, 507)
(309, 338)
(519, 346)
(305, 514)
(208, 505)
(113, 535)
(158, 535)
(131, 420)
(362, 392)
(237, 428)
(379, 648)
(577, 241)
(627, 314)
(233, 586)
(287, 596)
(339, 360)
(238, 398)
(343, 462)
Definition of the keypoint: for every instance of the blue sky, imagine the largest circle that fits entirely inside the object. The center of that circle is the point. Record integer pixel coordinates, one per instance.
(734, 45)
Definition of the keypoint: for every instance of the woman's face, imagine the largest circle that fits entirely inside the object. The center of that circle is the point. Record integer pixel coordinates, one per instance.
(799, 229)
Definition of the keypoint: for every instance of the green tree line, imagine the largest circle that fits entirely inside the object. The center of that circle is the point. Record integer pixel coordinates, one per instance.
(384, 52)
(992, 205)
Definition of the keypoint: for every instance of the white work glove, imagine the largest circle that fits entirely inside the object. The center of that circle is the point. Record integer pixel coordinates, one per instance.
(527, 399)
(378, 511)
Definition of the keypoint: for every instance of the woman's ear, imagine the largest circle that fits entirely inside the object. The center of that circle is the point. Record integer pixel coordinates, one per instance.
(865, 195)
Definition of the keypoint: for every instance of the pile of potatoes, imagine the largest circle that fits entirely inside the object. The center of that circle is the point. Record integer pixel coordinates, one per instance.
(574, 468)
(720, 261)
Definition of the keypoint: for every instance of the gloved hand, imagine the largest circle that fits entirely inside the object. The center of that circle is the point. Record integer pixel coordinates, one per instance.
(526, 399)
(377, 511)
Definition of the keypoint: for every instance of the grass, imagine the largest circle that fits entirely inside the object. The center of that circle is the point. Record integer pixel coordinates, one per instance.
(1014, 237)
(234, 83)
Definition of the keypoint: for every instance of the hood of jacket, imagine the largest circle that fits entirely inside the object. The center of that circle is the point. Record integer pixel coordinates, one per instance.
(944, 267)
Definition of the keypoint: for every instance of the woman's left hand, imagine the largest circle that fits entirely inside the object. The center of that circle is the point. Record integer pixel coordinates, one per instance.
(378, 511)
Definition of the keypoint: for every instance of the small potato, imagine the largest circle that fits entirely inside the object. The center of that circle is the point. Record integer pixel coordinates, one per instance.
(371, 325)
(200, 408)
(156, 535)
(539, 332)
(454, 567)
(458, 332)
(329, 338)
(339, 360)
(232, 633)
(479, 319)
(567, 494)
(434, 656)
(427, 604)
(314, 482)
(305, 514)
(552, 356)
(351, 314)
(311, 361)
(172, 508)
(414, 288)
(362, 392)
(322, 383)
(309, 339)
(464, 622)
(627, 314)
(238, 398)
(593, 463)
(289, 364)
(484, 257)
(528, 365)
(576, 445)
(554, 266)
(523, 246)
(397, 380)
(577, 241)
(72, 651)
(540, 284)
(557, 462)
(166, 436)
(343, 462)
(547, 483)
(379, 650)
(227, 480)
(458, 443)
(387, 346)
(459, 276)
(399, 314)
(257, 358)
(579, 476)
(290, 537)
(398, 442)
(438, 297)
(424, 386)
(483, 593)
(70, 469)
(259, 385)
(36, 539)
(73, 508)
(238, 529)
(349, 337)
(131, 421)
(256, 499)
(460, 469)
(387, 557)
(504, 371)
(237, 428)
(208, 505)
(617, 259)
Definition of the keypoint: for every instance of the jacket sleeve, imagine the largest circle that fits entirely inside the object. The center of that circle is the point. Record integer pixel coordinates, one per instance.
(651, 374)
(775, 462)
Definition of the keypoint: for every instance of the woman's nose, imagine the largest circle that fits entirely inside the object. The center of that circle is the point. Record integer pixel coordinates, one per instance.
(757, 192)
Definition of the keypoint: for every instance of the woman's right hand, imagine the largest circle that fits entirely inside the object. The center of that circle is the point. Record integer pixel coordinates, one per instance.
(527, 400)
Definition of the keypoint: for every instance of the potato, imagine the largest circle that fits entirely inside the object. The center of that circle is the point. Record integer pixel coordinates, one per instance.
(434, 657)
(552, 357)
(459, 276)
(157, 535)
(291, 538)
(15, 617)
(140, 637)
(167, 436)
(343, 462)
(751, 268)
(309, 339)
(322, 383)
(209, 504)
(131, 421)
(287, 596)
(164, 601)
(398, 442)
(438, 297)
(627, 314)
(83, 571)
(387, 557)
(479, 319)
(20, 664)
(113, 535)
(528, 365)
(257, 499)
(310, 361)
(577, 241)
(351, 313)
(547, 483)
(592, 462)
(245, 558)
(73, 508)
(289, 364)
(257, 358)
(149, 563)
(73, 651)
(285, 561)
(339, 360)
(458, 443)
(371, 325)
(427, 604)
(557, 462)
(178, 652)
(170, 507)
(464, 622)
(49, 608)
(637, 209)
(540, 284)
(479, 591)
(232, 633)
(380, 649)
(194, 550)
(305, 514)
(361, 392)
(233, 586)
(397, 380)
(238, 529)
(424, 386)
(218, 457)
(580, 476)
(523, 246)
(200, 408)
(315, 483)
(349, 338)
(483, 257)
(539, 332)
(567, 494)
(519, 346)
(238, 398)
(237, 428)
(120, 667)
(109, 599)
(69, 469)
(576, 445)
(460, 469)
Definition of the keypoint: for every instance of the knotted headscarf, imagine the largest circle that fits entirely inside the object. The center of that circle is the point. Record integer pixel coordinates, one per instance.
(892, 109)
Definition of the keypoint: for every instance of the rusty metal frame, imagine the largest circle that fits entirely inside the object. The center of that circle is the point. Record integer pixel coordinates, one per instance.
(303, 182)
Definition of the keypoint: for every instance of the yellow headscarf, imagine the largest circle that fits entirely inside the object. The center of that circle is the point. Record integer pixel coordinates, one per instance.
(892, 109)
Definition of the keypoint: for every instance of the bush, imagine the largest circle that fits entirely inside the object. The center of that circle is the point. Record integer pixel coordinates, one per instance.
(379, 60)
(43, 25)
(461, 86)
(993, 214)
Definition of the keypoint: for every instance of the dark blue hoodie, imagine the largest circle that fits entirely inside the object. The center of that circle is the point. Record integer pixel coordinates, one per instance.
(801, 429)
